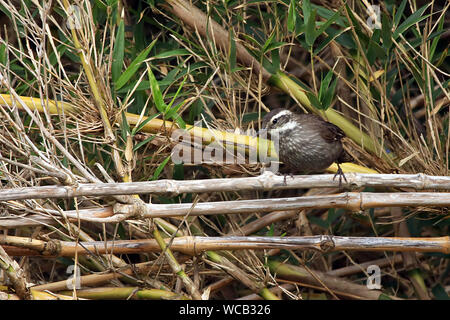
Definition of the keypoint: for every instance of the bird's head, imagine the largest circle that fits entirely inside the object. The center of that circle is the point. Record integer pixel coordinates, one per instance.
(278, 121)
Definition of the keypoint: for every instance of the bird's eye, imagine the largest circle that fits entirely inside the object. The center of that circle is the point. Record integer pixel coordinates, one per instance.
(274, 121)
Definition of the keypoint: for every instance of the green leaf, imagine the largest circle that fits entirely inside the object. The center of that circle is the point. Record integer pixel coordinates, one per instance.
(328, 14)
(179, 120)
(439, 292)
(133, 67)
(411, 20)
(274, 45)
(310, 22)
(292, 16)
(416, 71)
(325, 84)
(125, 127)
(399, 13)
(306, 8)
(326, 103)
(232, 55)
(319, 222)
(436, 40)
(313, 99)
(386, 31)
(268, 42)
(118, 53)
(271, 231)
(328, 23)
(156, 92)
(171, 77)
(144, 142)
(443, 57)
(391, 81)
(374, 50)
(363, 38)
(327, 40)
(143, 123)
(275, 60)
(172, 114)
(60, 50)
(171, 53)
(384, 296)
(160, 168)
(178, 171)
(326, 91)
(3, 54)
(194, 111)
(249, 117)
(177, 93)
(310, 32)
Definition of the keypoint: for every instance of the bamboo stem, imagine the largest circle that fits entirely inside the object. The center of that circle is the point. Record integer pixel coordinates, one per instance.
(195, 245)
(96, 279)
(15, 274)
(266, 181)
(122, 293)
(207, 136)
(350, 200)
(188, 283)
(354, 201)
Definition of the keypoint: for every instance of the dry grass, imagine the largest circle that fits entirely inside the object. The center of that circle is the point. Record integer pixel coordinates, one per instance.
(394, 96)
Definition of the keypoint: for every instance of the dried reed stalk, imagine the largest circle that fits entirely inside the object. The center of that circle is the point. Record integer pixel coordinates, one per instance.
(97, 279)
(195, 245)
(267, 181)
(15, 274)
(354, 201)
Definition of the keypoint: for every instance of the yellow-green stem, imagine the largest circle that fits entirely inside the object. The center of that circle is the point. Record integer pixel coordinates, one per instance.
(124, 293)
(268, 295)
(176, 266)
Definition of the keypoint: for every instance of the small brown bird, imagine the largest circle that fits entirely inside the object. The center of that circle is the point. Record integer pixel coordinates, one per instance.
(306, 143)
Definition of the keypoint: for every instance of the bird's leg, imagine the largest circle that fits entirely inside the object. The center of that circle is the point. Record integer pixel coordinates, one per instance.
(288, 174)
(341, 175)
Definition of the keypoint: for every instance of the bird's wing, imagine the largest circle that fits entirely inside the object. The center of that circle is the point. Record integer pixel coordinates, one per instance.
(328, 131)
(333, 132)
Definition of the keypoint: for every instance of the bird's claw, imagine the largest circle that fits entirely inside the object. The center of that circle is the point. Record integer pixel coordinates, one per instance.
(341, 175)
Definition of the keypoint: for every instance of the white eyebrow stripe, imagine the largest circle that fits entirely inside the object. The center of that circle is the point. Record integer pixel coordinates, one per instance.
(280, 114)
(288, 126)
